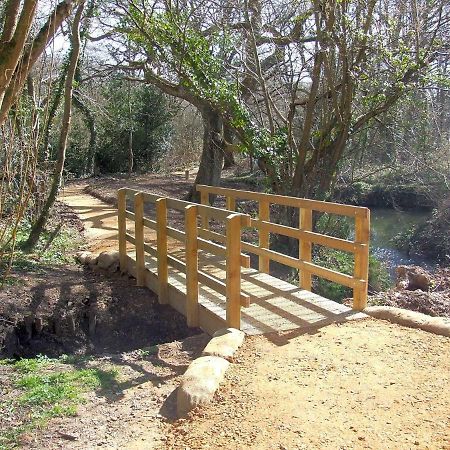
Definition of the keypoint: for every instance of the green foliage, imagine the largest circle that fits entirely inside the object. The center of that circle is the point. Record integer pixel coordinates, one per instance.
(198, 61)
(343, 262)
(139, 109)
(48, 388)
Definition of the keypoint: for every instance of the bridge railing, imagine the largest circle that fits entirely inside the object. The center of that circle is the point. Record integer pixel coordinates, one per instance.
(191, 242)
(359, 247)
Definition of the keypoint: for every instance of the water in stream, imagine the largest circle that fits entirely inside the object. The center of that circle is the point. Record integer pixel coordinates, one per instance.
(386, 223)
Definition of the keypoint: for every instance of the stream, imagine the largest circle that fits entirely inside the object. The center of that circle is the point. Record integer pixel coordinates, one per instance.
(386, 223)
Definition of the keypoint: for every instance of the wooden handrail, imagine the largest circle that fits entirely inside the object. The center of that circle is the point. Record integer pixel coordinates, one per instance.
(296, 202)
(304, 234)
(231, 289)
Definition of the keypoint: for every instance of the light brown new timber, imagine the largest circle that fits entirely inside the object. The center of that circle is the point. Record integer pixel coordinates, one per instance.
(361, 270)
(204, 200)
(149, 223)
(161, 245)
(122, 228)
(190, 223)
(305, 248)
(231, 203)
(315, 238)
(264, 216)
(130, 238)
(233, 268)
(296, 202)
(139, 238)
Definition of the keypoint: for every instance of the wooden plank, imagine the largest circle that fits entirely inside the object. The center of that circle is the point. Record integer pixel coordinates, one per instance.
(205, 278)
(149, 223)
(295, 263)
(122, 228)
(150, 198)
(264, 215)
(130, 238)
(361, 270)
(220, 250)
(204, 200)
(191, 245)
(139, 238)
(315, 238)
(177, 234)
(231, 203)
(129, 215)
(233, 271)
(161, 244)
(296, 202)
(212, 235)
(305, 248)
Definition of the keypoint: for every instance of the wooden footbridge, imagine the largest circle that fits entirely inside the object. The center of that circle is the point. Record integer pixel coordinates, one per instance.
(197, 258)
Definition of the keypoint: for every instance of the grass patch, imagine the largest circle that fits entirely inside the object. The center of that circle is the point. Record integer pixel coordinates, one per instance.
(46, 388)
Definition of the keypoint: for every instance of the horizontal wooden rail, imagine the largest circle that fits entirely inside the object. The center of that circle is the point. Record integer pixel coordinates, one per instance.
(305, 236)
(310, 236)
(316, 205)
(203, 277)
(188, 265)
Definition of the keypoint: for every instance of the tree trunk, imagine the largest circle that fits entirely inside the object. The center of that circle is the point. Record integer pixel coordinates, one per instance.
(228, 152)
(211, 161)
(39, 225)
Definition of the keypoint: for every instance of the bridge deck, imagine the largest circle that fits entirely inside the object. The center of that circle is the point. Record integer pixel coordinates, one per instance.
(276, 305)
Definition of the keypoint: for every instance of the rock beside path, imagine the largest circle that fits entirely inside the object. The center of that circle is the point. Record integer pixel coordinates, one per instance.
(225, 343)
(200, 382)
(411, 319)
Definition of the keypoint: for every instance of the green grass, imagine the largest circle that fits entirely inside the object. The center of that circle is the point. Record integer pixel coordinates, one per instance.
(48, 388)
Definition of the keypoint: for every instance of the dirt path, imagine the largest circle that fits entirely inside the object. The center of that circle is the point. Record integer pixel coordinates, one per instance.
(99, 218)
(364, 384)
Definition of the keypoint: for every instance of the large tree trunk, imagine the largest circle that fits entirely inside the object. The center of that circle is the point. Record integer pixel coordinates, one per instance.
(211, 161)
(228, 148)
(39, 225)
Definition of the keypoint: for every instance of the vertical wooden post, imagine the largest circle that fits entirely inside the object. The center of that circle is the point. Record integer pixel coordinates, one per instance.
(190, 223)
(233, 276)
(161, 243)
(139, 238)
(122, 227)
(231, 203)
(204, 200)
(305, 248)
(264, 214)
(361, 270)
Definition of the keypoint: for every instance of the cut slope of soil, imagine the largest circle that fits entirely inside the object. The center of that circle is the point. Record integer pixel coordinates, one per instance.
(364, 384)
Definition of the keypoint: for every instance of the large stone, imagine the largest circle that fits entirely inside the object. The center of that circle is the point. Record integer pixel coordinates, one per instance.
(83, 256)
(107, 259)
(412, 319)
(224, 343)
(200, 382)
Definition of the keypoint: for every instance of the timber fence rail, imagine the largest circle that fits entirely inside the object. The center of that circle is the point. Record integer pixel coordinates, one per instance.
(192, 241)
(305, 235)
